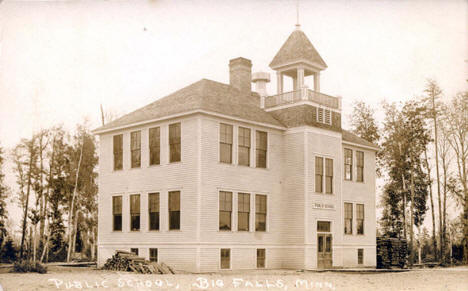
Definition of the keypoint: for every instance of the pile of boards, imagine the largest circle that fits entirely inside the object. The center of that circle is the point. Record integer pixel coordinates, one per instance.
(391, 253)
(129, 262)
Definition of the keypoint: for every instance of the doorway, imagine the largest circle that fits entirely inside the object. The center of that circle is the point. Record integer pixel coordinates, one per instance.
(324, 245)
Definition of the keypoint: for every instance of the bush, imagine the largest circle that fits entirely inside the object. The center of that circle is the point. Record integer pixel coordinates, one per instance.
(9, 252)
(28, 266)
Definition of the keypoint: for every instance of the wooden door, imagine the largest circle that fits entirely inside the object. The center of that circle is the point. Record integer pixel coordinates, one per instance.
(324, 251)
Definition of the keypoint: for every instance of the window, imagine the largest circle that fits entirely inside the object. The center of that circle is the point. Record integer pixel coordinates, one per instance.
(135, 212)
(155, 146)
(153, 209)
(320, 115)
(318, 174)
(260, 212)
(260, 258)
(174, 210)
(117, 213)
(225, 258)
(360, 218)
(360, 256)
(225, 210)
(323, 226)
(118, 152)
(262, 143)
(328, 176)
(225, 143)
(153, 255)
(327, 117)
(174, 142)
(244, 146)
(243, 214)
(134, 250)
(348, 164)
(348, 228)
(360, 166)
(135, 148)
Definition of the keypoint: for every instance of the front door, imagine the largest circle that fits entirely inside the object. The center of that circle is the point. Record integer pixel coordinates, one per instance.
(324, 251)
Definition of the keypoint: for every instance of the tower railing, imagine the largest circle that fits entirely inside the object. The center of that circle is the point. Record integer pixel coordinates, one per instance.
(304, 94)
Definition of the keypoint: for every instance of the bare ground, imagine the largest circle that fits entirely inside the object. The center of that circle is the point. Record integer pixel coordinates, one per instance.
(85, 278)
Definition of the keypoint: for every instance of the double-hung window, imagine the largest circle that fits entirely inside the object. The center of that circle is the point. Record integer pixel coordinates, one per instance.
(360, 218)
(154, 146)
(153, 255)
(174, 143)
(318, 174)
(135, 212)
(261, 153)
(225, 258)
(153, 209)
(135, 148)
(244, 146)
(225, 210)
(359, 166)
(225, 143)
(118, 151)
(117, 213)
(348, 217)
(260, 258)
(243, 208)
(260, 212)
(174, 210)
(348, 164)
(328, 176)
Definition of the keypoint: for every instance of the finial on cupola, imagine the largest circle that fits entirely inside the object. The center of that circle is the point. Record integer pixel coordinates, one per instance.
(298, 25)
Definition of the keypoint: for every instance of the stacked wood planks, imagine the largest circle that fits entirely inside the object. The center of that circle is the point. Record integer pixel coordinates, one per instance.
(392, 252)
(129, 262)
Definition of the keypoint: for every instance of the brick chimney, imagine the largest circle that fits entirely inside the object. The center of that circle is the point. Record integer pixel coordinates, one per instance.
(240, 74)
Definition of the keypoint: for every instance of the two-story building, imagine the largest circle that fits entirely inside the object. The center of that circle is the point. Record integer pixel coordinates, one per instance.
(215, 176)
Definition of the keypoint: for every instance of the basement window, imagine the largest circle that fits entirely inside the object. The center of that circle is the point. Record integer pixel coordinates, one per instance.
(360, 256)
(225, 258)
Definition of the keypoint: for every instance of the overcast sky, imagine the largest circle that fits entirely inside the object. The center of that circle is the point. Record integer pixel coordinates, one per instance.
(60, 60)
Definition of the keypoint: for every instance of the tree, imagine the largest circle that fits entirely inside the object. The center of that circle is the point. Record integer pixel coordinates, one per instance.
(3, 211)
(363, 122)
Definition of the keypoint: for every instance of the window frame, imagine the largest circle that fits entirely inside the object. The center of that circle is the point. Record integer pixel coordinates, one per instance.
(158, 195)
(257, 212)
(359, 166)
(224, 210)
(136, 214)
(263, 257)
(360, 220)
(317, 174)
(179, 210)
(348, 165)
(154, 145)
(117, 153)
(258, 140)
(239, 210)
(114, 214)
(135, 148)
(347, 218)
(157, 255)
(221, 258)
(137, 252)
(329, 173)
(224, 139)
(243, 144)
(360, 256)
(175, 142)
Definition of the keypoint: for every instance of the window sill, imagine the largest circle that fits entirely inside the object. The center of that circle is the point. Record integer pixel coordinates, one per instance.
(135, 230)
(154, 166)
(174, 230)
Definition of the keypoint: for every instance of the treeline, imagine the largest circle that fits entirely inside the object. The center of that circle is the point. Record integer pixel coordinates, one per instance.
(423, 161)
(57, 193)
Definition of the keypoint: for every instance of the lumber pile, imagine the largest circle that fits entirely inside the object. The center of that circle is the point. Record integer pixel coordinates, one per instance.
(129, 262)
(392, 253)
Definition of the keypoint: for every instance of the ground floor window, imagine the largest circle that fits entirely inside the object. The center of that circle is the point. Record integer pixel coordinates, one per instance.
(260, 258)
(134, 250)
(360, 256)
(153, 255)
(225, 258)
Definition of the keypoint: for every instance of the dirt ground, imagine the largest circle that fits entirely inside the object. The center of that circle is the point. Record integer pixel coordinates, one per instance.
(79, 278)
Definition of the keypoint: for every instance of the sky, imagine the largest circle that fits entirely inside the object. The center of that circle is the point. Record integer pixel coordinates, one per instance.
(60, 60)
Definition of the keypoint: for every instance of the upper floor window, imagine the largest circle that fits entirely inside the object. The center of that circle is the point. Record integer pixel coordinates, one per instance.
(135, 148)
(348, 164)
(174, 210)
(135, 212)
(260, 212)
(262, 143)
(225, 143)
(348, 217)
(318, 174)
(225, 210)
(154, 146)
(174, 142)
(328, 176)
(118, 151)
(360, 218)
(359, 166)
(117, 213)
(243, 208)
(244, 146)
(153, 211)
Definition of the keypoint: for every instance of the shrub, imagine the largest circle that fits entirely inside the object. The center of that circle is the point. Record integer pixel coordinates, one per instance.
(28, 266)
